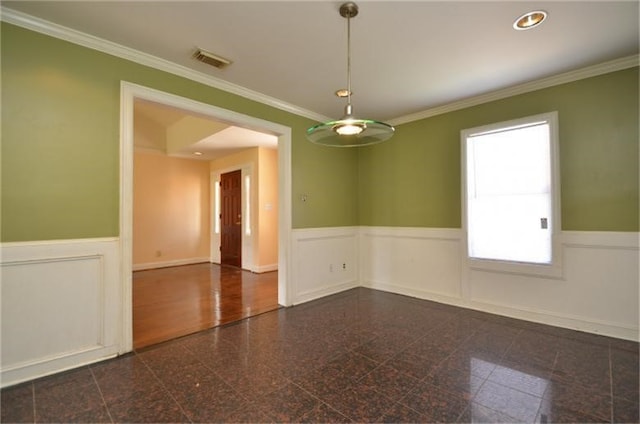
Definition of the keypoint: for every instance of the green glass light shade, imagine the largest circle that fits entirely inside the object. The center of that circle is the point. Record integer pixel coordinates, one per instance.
(372, 132)
(349, 131)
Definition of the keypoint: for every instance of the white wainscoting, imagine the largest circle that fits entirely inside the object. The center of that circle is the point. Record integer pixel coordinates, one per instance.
(60, 306)
(419, 262)
(325, 261)
(62, 301)
(598, 292)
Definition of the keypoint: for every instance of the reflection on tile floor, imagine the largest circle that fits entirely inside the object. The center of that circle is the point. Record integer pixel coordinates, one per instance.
(359, 356)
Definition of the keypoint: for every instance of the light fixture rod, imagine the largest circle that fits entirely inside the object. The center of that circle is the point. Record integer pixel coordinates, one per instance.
(349, 60)
(349, 10)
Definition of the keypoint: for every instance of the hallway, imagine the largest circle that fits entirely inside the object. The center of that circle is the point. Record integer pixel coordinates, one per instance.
(176, 301)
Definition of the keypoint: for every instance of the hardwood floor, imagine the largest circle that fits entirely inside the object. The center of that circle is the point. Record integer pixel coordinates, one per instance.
(176, 301)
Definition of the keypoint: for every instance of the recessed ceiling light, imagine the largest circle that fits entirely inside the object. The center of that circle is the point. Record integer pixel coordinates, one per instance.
(197, 153)
(530, 20)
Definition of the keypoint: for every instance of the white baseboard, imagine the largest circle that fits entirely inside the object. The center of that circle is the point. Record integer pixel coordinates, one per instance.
(578, 323)
(265, 268)
(167, 264)
(325, 291)
(413, 292)
(192, 261)
(46, 366)
(557, 319)
(597, 294)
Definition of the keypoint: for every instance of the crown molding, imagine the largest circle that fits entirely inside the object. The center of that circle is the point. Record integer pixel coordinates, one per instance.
(86, 40)
(591, 71)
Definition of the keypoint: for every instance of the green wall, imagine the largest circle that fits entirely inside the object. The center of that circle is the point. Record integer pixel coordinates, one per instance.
(414, 179)
(60, 141)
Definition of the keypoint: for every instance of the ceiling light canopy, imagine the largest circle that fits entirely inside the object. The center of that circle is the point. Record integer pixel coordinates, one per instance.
(530, 20)
(349, 131)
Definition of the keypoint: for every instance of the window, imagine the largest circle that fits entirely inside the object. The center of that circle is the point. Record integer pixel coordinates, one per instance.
(247, 203)
(217, 211)
(510, 194)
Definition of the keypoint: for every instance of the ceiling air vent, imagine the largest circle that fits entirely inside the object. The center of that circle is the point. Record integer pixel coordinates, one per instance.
(211, 59)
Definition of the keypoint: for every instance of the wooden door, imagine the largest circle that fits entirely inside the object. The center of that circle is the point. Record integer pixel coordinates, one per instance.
(231, 219)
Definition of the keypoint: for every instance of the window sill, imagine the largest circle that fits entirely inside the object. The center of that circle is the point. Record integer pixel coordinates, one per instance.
(552, 271)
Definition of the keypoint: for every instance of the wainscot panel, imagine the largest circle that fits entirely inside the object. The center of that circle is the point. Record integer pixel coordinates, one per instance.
(413, 261)
(597, 293)
(325, 261)
(60, 306)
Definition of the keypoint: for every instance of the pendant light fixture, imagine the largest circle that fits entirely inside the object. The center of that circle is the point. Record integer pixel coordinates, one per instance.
(349, 131)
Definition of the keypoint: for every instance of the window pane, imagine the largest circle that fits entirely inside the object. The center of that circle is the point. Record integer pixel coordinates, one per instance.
(509, 228)
(247, 213)
(216, 213)
(512, 162)
(509, 195)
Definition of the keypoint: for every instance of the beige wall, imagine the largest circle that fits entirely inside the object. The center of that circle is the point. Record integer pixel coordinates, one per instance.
(236, 160)
(264, 200)
(148, 134)
(190, 129)
(170, 210)
(268, 206)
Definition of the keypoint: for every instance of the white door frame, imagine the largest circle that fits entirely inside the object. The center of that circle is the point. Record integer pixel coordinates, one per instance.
(128, 93)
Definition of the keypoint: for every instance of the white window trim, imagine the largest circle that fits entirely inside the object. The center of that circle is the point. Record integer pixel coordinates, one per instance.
(553, 270)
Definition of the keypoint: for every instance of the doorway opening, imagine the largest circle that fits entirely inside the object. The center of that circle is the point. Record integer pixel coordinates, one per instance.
(130, 93)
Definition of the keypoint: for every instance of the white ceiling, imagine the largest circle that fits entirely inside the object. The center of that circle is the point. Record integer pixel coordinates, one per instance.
(224, 139)
(406, 56)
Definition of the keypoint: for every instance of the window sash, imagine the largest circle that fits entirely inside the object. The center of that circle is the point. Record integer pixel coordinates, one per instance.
(530, 206)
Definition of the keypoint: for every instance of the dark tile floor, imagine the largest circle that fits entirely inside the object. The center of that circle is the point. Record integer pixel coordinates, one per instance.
(359, 356)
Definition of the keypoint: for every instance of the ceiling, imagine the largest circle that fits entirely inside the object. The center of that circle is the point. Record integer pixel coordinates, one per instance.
(407, 57)
(203, 138)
